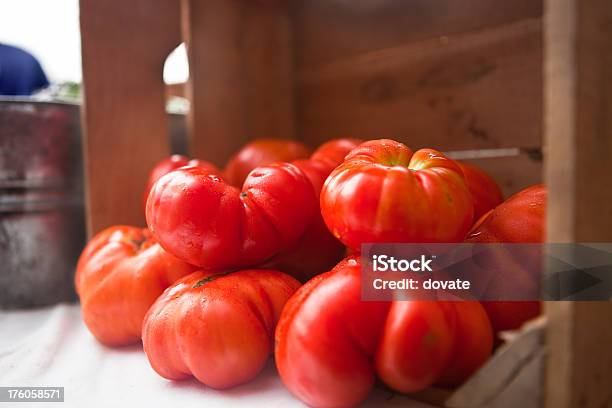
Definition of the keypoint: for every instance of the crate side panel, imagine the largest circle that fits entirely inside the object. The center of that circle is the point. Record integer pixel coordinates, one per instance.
(327, 30)
(475, 90)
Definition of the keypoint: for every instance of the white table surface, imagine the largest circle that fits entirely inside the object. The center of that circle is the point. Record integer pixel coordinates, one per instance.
(52, 347)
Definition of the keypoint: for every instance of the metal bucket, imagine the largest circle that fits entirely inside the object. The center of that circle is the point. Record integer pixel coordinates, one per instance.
(42, 222)
(42, 228)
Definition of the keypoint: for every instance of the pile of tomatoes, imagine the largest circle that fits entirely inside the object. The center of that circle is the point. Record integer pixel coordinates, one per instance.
(213, 286)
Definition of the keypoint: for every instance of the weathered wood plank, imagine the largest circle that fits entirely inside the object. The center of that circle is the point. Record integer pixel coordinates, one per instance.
(578, 136)
(124, 46)
(241, 74)
(475, 90)
(327, 30)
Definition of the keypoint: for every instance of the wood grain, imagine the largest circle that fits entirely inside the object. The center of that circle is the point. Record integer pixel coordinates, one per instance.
(578, 136)
(327, 30)
(479, 89)
(241, 74)
(124, 46)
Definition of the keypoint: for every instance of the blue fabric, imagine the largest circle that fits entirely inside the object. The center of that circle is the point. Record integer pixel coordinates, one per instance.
(20, 72)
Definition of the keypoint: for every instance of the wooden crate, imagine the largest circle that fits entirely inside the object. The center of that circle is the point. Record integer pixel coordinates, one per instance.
(524, 88)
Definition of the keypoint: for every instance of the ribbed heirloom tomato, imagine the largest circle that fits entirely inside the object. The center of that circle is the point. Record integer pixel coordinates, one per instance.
(318, 250)
(330, 345)
(218, 328)
(204, 221)
(331, 154)
(520, 219)
(262, 152)
(473, 342)
(173, 162)
(120, 273)
(485, 191)
(385, 193)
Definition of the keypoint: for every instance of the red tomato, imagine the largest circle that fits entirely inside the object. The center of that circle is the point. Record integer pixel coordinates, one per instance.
(120, 273)
(416, 345)
(511, 315)
(485, 191)
(520, 219)
(473, 342)
(385, 193)
(331, 154)
(330, 345)
(317, 250)
(172, 163)
(217, 328)
(262, 152)
(202, 220)
(299, 261)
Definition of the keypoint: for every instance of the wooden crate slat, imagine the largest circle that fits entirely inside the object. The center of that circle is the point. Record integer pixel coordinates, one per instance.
(511, 378)
(242, 56)
(578, 136)
(327, 30)
(442, 93)
(124, 47)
